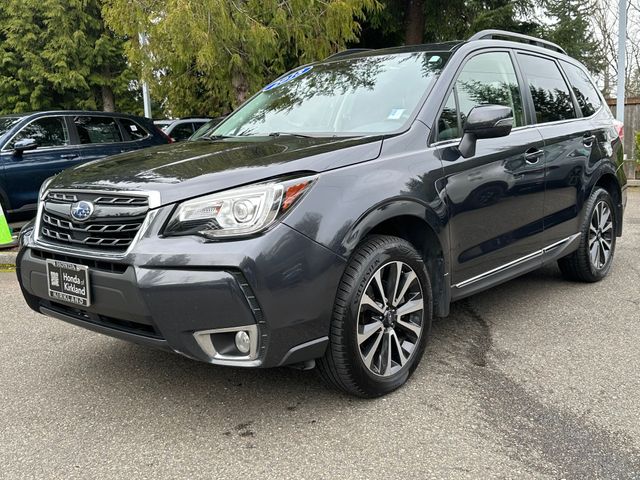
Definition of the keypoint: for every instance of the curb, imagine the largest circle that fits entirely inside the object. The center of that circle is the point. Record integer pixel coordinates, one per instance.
(8, 258)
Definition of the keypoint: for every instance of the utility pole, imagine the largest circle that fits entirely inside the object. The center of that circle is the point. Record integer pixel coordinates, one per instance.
(146, 96)
(622, 39)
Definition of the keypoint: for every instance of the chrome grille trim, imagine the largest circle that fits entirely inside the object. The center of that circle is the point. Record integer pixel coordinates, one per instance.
(93, 250)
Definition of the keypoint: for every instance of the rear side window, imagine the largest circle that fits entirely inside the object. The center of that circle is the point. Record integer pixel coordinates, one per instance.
(97, 130)
(135, 131)
(486, 79)
(47, 132)
(583, 89)
(550, 93)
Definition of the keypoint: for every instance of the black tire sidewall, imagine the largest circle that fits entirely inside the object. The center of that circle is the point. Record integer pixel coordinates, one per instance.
(597, 196)
(394, 250)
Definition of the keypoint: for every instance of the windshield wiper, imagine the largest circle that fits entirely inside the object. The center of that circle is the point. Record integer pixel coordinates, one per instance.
(289, 134)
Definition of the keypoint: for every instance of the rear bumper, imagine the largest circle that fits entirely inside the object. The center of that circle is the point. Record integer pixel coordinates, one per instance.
(281, 282)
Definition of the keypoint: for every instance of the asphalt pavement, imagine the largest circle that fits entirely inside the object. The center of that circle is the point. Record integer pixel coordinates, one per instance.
(537, 378)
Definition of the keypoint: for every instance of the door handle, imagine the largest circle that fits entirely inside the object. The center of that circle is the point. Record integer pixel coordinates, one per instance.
(67, 156)
(532, 156)
(588, 139)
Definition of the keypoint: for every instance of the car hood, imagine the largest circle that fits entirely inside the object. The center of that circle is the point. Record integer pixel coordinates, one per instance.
(189, 169)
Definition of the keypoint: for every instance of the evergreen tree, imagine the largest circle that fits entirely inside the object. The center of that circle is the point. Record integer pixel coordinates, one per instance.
(59, 54)
(208, 56)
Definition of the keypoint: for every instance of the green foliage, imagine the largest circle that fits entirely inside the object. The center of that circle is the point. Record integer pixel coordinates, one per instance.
(207, 56)
(58, 54)
(637, 148)
(571, 30)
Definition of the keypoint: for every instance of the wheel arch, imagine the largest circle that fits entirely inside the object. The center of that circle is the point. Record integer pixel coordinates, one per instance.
(608, 181)
(420, 226)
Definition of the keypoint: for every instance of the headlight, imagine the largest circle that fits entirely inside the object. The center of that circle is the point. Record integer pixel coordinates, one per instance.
(237, 212)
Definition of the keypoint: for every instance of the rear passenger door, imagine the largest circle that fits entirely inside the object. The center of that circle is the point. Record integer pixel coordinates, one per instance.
(496, 197)
(568, 142)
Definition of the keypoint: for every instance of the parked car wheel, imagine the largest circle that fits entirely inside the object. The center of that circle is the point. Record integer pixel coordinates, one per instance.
(591, 262)
(381, 320)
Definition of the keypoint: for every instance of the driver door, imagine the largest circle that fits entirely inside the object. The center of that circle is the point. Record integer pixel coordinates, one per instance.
(495, 197)
(25, 171)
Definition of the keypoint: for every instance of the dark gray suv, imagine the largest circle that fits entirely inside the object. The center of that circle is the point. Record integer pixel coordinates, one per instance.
(328, 219)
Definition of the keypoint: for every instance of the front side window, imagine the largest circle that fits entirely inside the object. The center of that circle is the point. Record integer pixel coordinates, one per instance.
(583, 89)
(486, 79)
(97, 130)
(367, 95)
(47, 132)
(551, 97)
(448, 121)
(489, 79)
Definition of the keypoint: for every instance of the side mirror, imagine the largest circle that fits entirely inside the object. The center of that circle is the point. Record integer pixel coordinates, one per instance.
(25, 144)
(484, 121)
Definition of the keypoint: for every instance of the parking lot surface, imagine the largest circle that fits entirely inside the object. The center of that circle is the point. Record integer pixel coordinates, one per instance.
(537, 378)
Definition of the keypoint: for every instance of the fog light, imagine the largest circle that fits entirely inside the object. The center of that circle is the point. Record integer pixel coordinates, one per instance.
(243, 342)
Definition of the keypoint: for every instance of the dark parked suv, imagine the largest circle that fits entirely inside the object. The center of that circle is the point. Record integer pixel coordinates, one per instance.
(34, 146)
(327, 220)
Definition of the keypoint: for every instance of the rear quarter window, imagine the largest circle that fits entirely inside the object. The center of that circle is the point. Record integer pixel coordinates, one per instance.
(133, 129)
(586, 94)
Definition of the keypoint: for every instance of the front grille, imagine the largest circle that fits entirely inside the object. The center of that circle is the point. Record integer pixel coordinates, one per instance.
(111, 228)
(93, 264)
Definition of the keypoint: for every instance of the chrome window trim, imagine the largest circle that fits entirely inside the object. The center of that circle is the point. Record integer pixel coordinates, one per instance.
(154, 202)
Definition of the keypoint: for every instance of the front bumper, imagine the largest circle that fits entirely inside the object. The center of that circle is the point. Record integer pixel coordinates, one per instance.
(166, 290)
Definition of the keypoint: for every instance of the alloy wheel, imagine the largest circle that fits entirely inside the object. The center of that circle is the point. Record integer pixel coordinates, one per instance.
(390, 318)
(600, 235)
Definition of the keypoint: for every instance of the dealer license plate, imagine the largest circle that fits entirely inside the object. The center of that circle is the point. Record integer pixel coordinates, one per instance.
(68, 282)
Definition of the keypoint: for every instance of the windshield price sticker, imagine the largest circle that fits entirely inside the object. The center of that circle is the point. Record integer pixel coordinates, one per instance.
(287, 78)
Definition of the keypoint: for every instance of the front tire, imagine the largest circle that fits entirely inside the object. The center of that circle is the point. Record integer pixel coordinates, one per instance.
(592, 260)
(381, 319)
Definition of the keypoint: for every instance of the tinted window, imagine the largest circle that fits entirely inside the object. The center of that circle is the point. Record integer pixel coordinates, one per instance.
(182, 131)
(97, 130)
(370, 94)
(47, 132)
(551, 97)
(135, 131)
(583, 89)
(448, 121)
(489, 78)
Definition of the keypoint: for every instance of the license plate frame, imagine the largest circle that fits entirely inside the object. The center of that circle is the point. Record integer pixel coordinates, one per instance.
(68, 282)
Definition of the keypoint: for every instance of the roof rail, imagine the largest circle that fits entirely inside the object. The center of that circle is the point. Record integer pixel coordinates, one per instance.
(349, 51)
(516, 37)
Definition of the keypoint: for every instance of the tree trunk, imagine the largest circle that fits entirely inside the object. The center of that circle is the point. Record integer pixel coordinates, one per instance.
(108, 99)
(414, 22)
(241, 87)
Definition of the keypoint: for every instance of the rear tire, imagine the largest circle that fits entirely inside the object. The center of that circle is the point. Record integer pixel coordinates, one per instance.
(592, 260)
(381, 319)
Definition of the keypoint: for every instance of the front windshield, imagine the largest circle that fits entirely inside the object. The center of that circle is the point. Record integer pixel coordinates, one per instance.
(367, 95)
(6, 123)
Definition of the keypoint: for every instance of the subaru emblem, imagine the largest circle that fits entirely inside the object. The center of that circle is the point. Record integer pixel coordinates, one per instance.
(82, 211)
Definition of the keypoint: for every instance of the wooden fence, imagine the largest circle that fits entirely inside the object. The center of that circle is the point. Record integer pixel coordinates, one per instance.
(631, 123)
